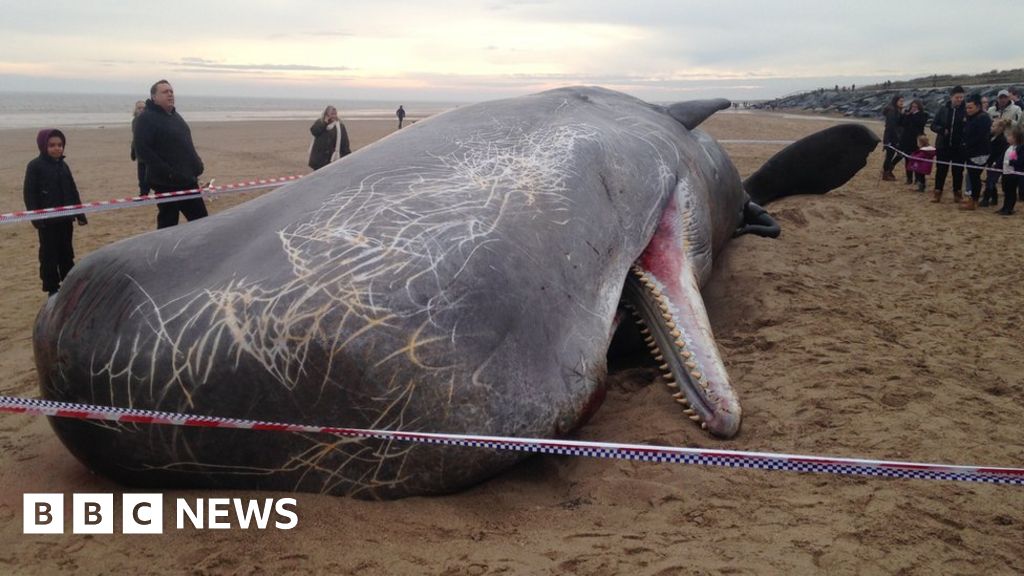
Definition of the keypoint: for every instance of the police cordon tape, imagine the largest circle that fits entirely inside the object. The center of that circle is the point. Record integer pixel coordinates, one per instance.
(133, 201)
(635, 452)
(953, 164)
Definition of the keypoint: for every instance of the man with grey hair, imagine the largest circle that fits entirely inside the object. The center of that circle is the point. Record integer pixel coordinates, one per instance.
(163, 141)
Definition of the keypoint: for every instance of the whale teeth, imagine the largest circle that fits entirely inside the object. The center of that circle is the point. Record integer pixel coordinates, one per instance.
(695, 418)
(686, 354)
(696, 375)
(703, 425)
(681, 344)
(645, 331)
(679, 395)
(663, 367)
(669, 377)
(671, 384)
(691, 364)
(689, 412)
(666, 316)
(682, 401)
(676, 333)
(659, 358)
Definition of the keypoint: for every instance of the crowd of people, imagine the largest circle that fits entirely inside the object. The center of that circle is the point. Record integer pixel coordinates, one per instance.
(166, 161)
(972, 138)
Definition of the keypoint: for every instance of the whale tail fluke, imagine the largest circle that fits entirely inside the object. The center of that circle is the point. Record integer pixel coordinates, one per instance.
(816, 164)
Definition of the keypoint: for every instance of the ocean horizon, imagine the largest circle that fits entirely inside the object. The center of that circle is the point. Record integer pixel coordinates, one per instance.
(51, 109)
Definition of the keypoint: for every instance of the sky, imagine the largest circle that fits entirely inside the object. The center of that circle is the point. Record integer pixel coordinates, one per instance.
(464, 50)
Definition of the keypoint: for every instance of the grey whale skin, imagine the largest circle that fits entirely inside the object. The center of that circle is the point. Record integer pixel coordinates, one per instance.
(461, 276)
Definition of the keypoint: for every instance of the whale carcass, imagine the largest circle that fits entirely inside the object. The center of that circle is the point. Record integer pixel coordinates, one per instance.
(463, 275)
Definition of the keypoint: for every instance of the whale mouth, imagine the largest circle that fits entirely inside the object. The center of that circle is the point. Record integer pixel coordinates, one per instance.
(681, 342)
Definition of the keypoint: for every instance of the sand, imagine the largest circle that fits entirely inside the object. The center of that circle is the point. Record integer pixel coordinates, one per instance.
(879, 326)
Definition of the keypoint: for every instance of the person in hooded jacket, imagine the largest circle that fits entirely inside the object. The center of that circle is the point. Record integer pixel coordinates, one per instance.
(49, 184)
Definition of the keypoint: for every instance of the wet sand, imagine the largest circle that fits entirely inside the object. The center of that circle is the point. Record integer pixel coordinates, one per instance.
(878, 326)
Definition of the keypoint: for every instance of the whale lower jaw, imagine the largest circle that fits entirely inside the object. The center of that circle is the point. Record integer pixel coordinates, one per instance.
(681, 342)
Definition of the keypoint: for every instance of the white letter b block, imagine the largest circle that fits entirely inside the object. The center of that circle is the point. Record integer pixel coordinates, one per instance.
(93, 514)
(43, 514)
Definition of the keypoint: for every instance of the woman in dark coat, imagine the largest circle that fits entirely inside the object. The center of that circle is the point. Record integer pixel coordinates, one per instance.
(912, 125)
(330, 139)
(891, 136)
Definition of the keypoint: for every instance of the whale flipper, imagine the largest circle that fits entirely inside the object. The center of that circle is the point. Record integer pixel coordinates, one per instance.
(816, 164)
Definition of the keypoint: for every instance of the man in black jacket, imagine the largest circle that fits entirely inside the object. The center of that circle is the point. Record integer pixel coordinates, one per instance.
(949, 128)
(976, 147)
(163, 141)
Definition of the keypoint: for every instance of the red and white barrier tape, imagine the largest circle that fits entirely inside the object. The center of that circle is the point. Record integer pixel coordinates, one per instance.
(953, 164)
(636, 452)
(132, 201)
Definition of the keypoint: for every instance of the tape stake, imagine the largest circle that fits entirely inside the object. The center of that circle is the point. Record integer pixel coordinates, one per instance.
(635, 452)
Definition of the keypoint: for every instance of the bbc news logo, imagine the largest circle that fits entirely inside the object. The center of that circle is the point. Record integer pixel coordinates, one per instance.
(144, 513)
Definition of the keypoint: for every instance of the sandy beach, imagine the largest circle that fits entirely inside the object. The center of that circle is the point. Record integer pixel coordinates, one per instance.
(879, 325)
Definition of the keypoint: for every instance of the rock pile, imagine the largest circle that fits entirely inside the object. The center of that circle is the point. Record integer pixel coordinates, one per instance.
(869, 103)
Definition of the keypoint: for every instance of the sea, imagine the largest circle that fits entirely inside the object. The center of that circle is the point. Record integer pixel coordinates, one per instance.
(42, 109)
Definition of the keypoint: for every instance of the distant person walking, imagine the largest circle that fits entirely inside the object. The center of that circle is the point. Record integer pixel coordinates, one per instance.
(912, 124)
(401, 116)
(48, 184)
(163, 142)
(891, 136)
(140, 167)
(330, 139)
(976, 148)
(948, 127)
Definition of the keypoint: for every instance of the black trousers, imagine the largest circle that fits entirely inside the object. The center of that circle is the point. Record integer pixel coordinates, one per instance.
(995, 160)
(167, 213)
(1011, 183)
(143, 186)
(974, 175)
(56, 253)
(892, 158)
(947, 155)
(920, 179)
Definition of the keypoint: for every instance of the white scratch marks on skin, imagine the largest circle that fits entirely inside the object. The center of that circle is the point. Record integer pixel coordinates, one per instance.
(389, 249)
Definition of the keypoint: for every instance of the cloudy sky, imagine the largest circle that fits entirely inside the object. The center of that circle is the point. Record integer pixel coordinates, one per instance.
(470, 50)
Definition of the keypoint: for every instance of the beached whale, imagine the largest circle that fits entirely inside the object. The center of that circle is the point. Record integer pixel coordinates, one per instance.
(463, 275)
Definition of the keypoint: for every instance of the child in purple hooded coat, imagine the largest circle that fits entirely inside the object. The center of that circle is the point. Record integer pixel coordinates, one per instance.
(49, 184)
(920, 162)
